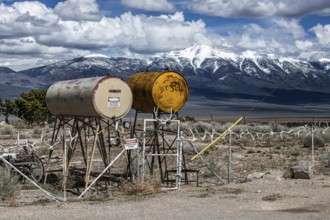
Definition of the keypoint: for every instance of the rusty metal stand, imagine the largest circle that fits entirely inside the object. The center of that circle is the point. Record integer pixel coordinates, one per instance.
(81, 131)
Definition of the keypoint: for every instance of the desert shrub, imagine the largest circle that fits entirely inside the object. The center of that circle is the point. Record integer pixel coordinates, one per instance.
(262, 128)
(277, 127)
(246, 139)
(327, 159)
(140, 187)
(223, 127)
(20, 124)
(188, 125)
(272, 197)
(294, 124)
(232, 190)
(240, 128)
(189, 118)
(8, 186)
(202, 126)
(326, 136)
(318, 141)
(184, 126)
(214, 167)
(25, 135)
(44, 150)
(7, 130)
(215, 125)
(277, 138)
(47, 128)
(36, 130)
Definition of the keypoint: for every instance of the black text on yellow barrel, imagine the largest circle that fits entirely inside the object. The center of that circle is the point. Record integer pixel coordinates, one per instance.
(107, 97)
(168, 91)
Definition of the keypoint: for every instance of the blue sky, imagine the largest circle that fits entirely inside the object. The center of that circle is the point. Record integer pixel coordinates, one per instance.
(35, 33)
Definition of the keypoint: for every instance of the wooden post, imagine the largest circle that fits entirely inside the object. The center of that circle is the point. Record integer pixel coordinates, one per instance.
(64, 166)
(89, 162)
(229, 157)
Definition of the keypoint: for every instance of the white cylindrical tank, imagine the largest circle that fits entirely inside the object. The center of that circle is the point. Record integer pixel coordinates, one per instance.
(107, 97)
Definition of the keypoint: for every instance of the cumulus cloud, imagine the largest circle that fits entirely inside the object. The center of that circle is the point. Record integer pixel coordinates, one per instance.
(259, 8)
(276, 36)
(248, 43)
(304, 45)
(289, 27)
(26, 19)
(23, 53)
(167, 33)
(32, 27)
(322, 33)
(140, 33)
(27, 45)
(88, 30)
(150, 5)
(87, 10)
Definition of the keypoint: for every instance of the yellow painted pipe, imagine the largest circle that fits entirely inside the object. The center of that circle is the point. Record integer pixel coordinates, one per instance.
(223, 134)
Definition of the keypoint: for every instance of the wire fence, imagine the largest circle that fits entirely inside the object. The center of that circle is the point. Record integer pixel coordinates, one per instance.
(309, 136)
(205, 132)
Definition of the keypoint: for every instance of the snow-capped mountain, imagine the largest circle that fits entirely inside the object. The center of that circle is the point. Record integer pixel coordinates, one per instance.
(87, 66)
(210, 73)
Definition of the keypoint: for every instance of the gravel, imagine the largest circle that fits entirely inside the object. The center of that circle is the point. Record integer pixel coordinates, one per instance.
(258, 199)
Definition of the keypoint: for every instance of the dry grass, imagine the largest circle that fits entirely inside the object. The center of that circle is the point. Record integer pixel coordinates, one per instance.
(232, 190)
(9, 189)
(140, 187)
(273, 197)
(7, 130)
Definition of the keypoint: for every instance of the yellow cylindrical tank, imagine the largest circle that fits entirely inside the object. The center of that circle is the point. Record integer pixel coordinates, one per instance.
(107, 97)
(168, 91)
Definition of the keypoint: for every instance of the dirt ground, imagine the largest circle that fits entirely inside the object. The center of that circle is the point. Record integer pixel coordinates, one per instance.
(260, 199)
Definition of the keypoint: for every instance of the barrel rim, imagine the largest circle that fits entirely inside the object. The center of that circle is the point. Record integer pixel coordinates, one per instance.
(129, 89)
(184, 102)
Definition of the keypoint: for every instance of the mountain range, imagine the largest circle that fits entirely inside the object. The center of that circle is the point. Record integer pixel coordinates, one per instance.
(218, 81)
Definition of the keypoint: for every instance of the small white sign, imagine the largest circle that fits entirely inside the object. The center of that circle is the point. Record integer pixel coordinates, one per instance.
(113, 102)
(131, 144)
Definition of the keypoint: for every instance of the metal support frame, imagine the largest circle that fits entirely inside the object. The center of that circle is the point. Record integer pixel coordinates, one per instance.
(154, 151)
(157, 143)
(81, 130)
